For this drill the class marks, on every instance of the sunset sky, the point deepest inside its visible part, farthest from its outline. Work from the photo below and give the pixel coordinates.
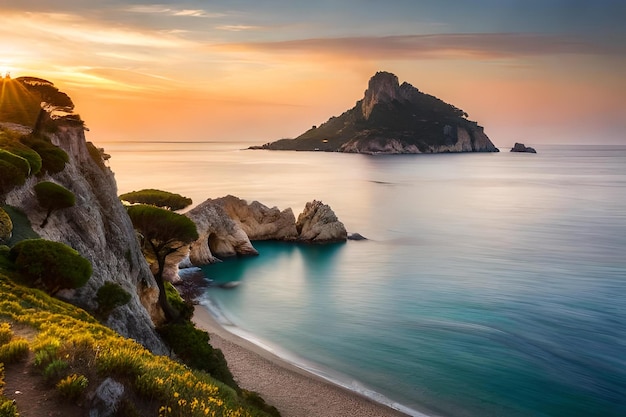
(535, 71)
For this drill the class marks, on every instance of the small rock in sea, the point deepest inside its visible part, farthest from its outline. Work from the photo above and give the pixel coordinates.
(356, 236)
(520, 147)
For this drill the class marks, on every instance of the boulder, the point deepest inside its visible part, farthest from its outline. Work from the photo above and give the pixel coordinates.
(319, 224)
(107, 398)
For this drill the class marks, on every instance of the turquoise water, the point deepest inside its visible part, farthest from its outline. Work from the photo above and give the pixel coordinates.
(492, 284)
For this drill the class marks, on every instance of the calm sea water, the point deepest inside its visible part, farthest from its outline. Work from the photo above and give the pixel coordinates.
(491, 284)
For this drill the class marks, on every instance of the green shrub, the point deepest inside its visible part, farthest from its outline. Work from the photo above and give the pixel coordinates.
(10, 177)
(14, 351)
(254, 399)
(110, 296)
(12, 142)
(184, 308)
(21, 163)
(192, 346)
(51, 265)
(52, 197)
(8, 408)
(53, 158)
(6, 334)
(72, 386)
(55, 370)
(6, 226)
(157, 198)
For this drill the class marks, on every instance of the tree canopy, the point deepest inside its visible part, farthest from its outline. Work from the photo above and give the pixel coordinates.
(157, 198)
(52, 197)
(164, 232)
(49, 264)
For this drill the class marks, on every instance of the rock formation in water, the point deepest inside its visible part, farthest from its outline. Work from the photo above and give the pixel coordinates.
(99, 228)
(319, 224)
(393, 119)
(520, 147)
(219, 235)
(227, 225)
(259, 221)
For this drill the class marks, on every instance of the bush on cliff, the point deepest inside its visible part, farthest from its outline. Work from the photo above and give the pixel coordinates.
(163, 199)
(109, 296)
(11, 142)
(6, 226)
(52, 197)
(10, 177)
(53, 158)
(192, 346)
(51, 265)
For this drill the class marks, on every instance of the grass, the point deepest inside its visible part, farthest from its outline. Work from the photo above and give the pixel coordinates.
(75, 353)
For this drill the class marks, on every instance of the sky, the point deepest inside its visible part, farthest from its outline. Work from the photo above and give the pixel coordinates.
(532, 71)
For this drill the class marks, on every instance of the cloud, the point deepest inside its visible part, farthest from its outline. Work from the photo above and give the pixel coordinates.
(472, 45)
(237, 28)
(160, 9)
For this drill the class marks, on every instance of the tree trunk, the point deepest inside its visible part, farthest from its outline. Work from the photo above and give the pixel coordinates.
(170, 313)
(45, 221)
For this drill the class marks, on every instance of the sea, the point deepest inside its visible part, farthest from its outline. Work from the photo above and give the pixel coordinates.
(490, 284)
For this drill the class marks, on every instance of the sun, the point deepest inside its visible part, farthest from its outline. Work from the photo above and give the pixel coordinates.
(5, 70)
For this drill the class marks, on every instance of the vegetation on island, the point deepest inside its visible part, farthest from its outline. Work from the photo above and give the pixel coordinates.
(158, 198)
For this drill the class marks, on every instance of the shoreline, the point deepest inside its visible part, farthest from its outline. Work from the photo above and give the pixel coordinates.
(294, 391)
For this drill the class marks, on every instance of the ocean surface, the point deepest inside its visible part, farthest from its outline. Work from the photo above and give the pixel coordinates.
(491, 284)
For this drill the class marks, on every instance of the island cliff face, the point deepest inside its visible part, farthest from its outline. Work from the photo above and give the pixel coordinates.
(393, 119)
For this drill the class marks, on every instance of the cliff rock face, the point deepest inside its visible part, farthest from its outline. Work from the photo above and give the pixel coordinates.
(393, 118)
(319, 224)
(100, 230)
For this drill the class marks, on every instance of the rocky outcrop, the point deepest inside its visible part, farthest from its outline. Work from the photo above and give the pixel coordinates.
(227, 225)
(393, 119)
(219, 235)
(520, 147)
(319, 224)
(99, 228)
(259, 221)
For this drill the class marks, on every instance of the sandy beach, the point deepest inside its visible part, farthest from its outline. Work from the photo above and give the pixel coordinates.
(293, 391)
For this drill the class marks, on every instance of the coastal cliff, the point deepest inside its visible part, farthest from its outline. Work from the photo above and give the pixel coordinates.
(393, 119)
(98, 227)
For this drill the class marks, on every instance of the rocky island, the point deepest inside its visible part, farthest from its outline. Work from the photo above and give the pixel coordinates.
(520, 147)
(393, 119)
